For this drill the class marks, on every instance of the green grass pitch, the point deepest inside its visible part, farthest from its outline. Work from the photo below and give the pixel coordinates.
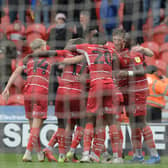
(15, 161)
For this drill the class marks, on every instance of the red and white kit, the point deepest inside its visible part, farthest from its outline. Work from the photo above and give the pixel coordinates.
(36, 87)
(70, 99)
(103, 94)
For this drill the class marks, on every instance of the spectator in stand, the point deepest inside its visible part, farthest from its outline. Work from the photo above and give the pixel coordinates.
(133, 10)
(7, 53)
(108, 15)
(42, 7)
(155, 6)
(82, 28)
(58, 34)
(18, 7)
(57, 40)
(158, 89)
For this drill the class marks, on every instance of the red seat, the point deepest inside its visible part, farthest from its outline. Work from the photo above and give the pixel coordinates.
(153, 46)
(19, 84)
(163, 49)
(31, 37)
(13, 65)
(165, 57)
(161, 65)
(159, 33)
(147, 27)
(16, 99)
(12, 33)
(34, 31)
(2, 101)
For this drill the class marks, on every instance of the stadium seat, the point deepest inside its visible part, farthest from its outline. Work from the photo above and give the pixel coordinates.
(16, 99)
(163, 49)
(4, 23)
(1, 28)
(16, 32)
(13, 34)
(159, 33)
(161, 65)
(31, 37)
(34, 31)
(147, 27)
(2, 101)
(13, 64)
(164, 57)
(19, 84)
(153, 46)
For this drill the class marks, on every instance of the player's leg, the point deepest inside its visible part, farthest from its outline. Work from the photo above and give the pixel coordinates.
(78, 110)
(78, 135)
(148, 139)
(87, 137)
(114, 133)
(54, 139)
(140, 128)
(33, 140)
(99, 139)
(136, 139)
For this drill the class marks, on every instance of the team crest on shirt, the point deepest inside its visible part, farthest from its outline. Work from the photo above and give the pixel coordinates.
(137, 60)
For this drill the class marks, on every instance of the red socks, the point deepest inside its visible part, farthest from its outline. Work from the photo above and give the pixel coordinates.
(148, 137)
(77, 137)
(136, 139)
(33, 138)
(53, 139)
(88, 136)
(121, 143)
(61, 140)
(98, 143)
(115, 139)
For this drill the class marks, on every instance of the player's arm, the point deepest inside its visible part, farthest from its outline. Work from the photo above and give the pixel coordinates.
(47, 53)
(15, 74)
(137, 71)
(143, 50)
(71, 48)
(74, 60)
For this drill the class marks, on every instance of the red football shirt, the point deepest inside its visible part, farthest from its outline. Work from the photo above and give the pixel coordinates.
(38, 72)
(70, 78)
(99, 60)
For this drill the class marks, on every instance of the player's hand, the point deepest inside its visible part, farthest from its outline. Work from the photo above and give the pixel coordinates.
(138, 48)
(5, 95)
(122, 74)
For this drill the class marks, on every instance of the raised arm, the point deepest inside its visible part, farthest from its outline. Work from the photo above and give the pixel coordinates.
(15, 74)
(74, 60)
(143, 50)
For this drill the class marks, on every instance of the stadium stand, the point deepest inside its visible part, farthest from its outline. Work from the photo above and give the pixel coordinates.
(16, 99)
(164, 52)
(2, 101)
(34, 31)
(159, 33)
